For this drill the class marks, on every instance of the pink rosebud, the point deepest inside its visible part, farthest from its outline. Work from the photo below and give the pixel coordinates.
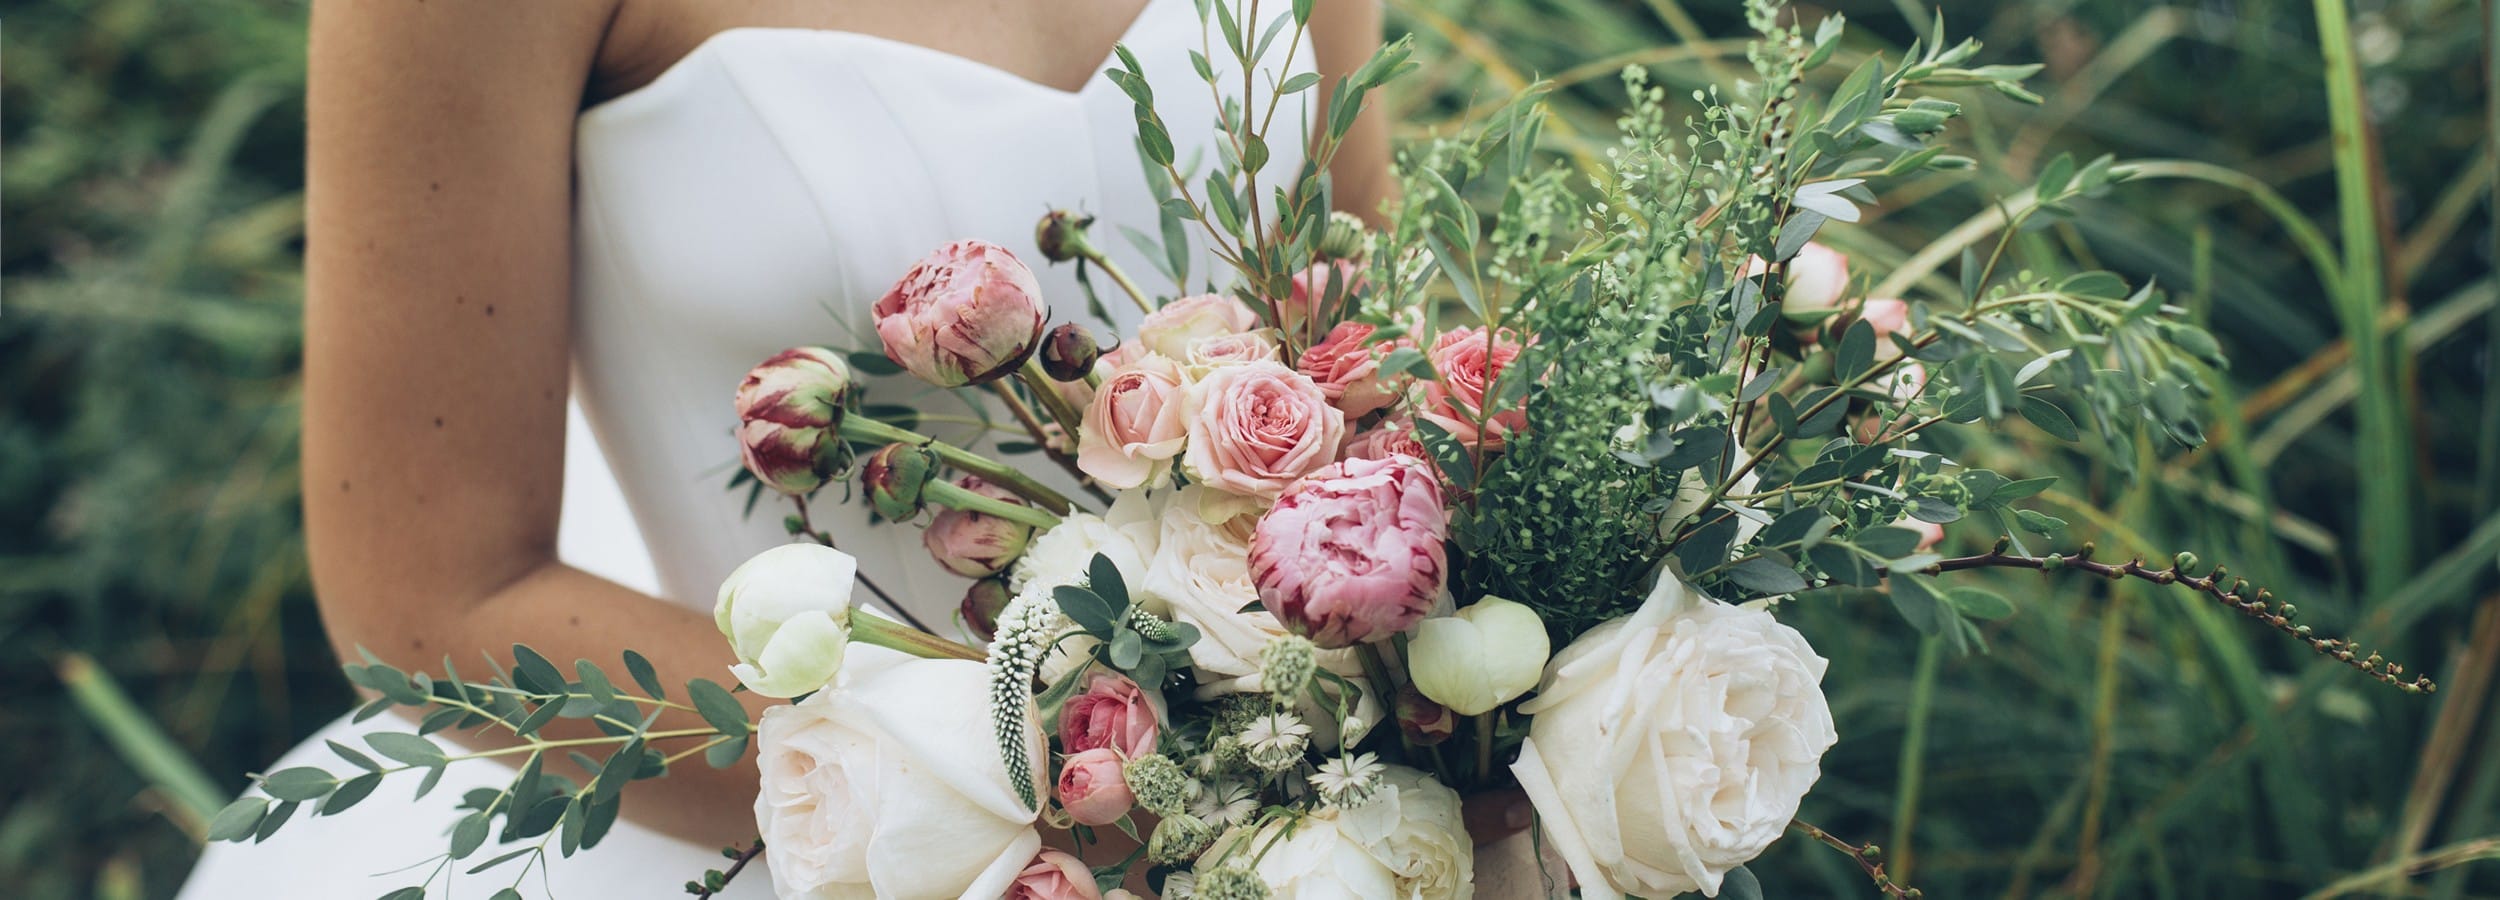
(1093, 789)
(1053, 875)
(1320, 293)
(1468, 362)
(1112, 712)
(1354, 552)
(968, 313)
(1395, 437)
(1347, 368)
(1888, 318)
(1133, 426)
(1255, 428)
(1180, 323)
(976, 545)
(1424, 721)
(1817, 277)
(789, 415)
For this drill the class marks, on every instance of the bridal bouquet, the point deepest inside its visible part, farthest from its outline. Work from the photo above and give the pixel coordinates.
(1396, 516)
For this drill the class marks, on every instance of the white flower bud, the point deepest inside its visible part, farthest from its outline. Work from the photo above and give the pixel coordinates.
(1480, 658)
(787, 613)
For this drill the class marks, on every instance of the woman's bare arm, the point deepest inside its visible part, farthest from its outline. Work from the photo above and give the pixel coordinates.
(1344, 34)
(437, 313)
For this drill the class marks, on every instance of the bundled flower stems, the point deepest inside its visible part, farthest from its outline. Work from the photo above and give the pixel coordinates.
(1398, 516)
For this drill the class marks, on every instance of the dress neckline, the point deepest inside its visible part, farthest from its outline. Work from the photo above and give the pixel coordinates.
(713, 44)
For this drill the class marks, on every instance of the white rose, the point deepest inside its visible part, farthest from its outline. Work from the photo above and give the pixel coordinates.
(1407, 843)
(898, 753)
(1674, 744)
(787, 613)
(1480, 657)
(1202, 575)
(1061, 556)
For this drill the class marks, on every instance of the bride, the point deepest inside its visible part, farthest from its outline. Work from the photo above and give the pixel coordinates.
(628, 203)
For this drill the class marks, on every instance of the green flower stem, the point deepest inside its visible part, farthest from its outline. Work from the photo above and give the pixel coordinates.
(1914, 751)
(879, 631)
(871, 431)
(1046, 390)
(953, 496)
(1086, 251)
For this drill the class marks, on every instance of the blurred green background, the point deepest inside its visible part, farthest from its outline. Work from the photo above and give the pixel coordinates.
(157, 638)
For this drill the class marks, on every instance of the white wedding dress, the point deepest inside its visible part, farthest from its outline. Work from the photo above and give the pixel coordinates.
(762, 193)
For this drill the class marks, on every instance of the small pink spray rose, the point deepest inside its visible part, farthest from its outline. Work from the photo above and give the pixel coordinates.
(1111, 712)
(1093, 788)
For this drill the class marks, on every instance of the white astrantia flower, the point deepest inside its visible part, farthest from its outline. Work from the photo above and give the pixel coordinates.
(1275, 741)
(1225, 804)
(1347, 781)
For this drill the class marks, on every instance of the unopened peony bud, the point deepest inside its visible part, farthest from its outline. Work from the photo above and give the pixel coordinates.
(789, 415)
(1069, 351)
(1061, 234)
(1424, 721)
(787, 614)
(1342, 238)
(982, 603)
(893, 478)
(976, 545)
(968, 313)
(1482, 657)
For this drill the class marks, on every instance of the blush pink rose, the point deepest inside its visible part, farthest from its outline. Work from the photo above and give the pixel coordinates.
(968, 313)
(1257, 427)
(1054, 875)
(1112, 712)
(1208, 354)
(1888, 318)
(1093, 789)
(1347, 367)
(1320, 293)
(1353, 553)
(1468, 361)
(1817, 277)
(976, 545)
(1180, 323)
(1392, 438)
(1133, 427)
(1929, 533)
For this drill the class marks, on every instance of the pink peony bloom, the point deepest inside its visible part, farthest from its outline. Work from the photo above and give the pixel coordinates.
(789, 413)
(1468, 361)
(1354, 552)
(1320, 293)
(966, 314)
(1395, 437)
(1257, 427)
(1888, 318)
(1347, 368)
(1054, 875)
(976, 545)
(1093, 788)
(1180, 323)
(1111, 712)
(1817, 277)
(1132, 429)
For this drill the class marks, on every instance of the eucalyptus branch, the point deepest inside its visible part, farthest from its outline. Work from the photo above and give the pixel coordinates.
(1868, 857)
(2233, 594)
(716, 880)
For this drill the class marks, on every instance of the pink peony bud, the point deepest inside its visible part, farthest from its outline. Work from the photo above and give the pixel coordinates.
(1320, 293)
(1053, 875)
(893, 478)
(1112, 712)
(1133, 427)
(1469, 361)
(968, 313)
(1354, 552)
(1347, 367)
(976, 545)
(790, 415)
(1424, 721)
(1092, 787)
(1061, 235)
(1180, 323)
(981, 605)
(1068, 352)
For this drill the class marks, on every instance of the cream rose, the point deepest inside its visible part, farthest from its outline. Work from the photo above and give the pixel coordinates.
(1126, 533)
(1406, 843)
(899, 752)
(1132, 427)
(1255, 428)
(1674, 744)
(1171, 329)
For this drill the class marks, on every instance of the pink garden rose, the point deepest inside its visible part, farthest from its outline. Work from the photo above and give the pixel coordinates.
(1888, 318)
(1395, 437)
(1354, 552)
(1112, 712)
(1347, 367)
(1093, 788)
(1320, 293)
(966, 314)
(1133, 428)
(976, 545)
(1817, 278)
(789, 413)
(1256, 427)
(1054, 875)
(1209, 354)
(1468, 361)
(1180, 323)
